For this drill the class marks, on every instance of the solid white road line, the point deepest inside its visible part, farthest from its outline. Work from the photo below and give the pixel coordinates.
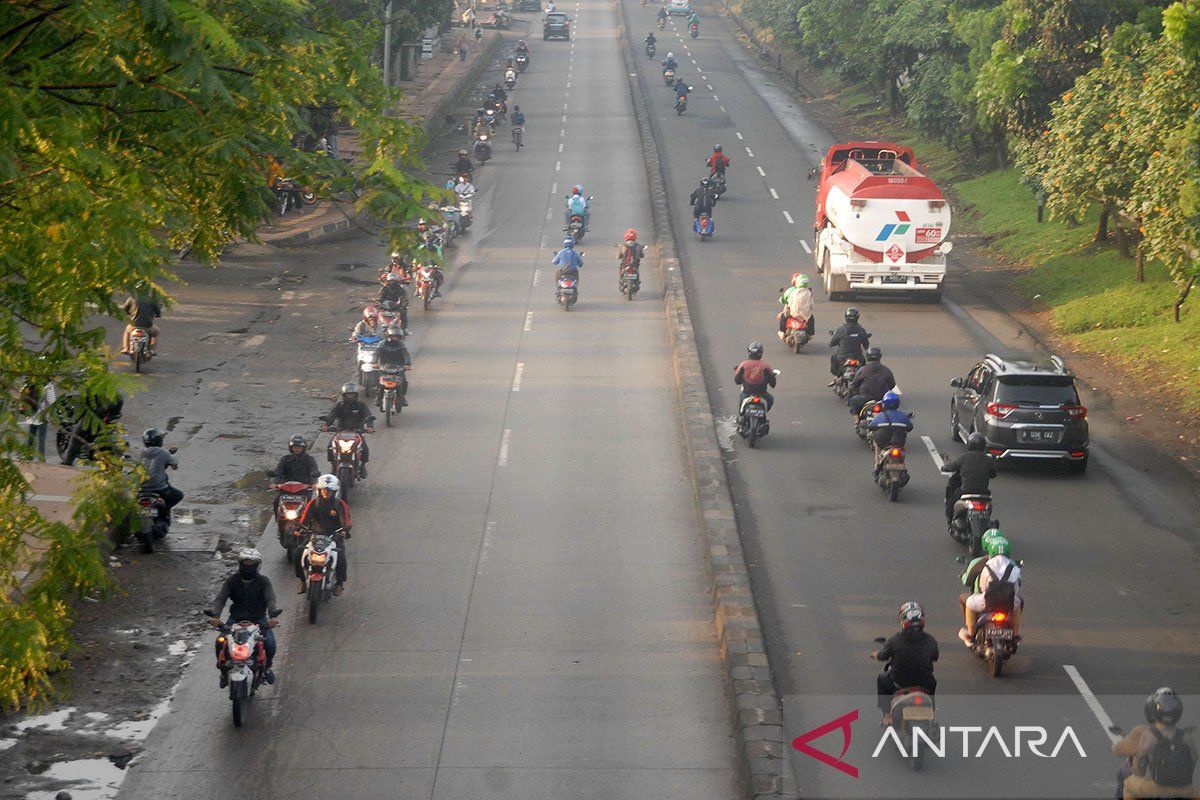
(1097, 710)
(528, 321)
(929, 445)
(739, 135)
(807, 249)
(503, 459)
(788, 217)
(774, 194)
(516, 387)
(760, 172)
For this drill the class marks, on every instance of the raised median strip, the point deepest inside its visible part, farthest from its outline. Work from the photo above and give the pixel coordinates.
(762, 743)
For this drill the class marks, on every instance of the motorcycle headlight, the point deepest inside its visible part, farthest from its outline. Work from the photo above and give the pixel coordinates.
(318, 559)
(345, 445)
(290, 513)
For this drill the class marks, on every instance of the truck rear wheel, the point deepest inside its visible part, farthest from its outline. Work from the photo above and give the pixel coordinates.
(833, 283)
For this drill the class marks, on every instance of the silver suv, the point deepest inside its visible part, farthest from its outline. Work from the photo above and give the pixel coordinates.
(1026, 408)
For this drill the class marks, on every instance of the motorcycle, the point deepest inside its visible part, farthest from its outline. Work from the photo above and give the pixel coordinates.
(911, 708)
(752, 423)
(367, 345)
(242, 656)
(650, 49)
(345, 458)
(631, 282)
(575, 228)
(74, 437)
(510, 78)
(426, 286)
(466, 210)
(972, 518)
(518, 135)
(864, 416)
(669, 76)
(152, 513)
(522, 62)
(568, 292)
(483, 149)
(318, 565)
(718, 179)
(704, 227)
(453, 219)
(389, 392)
(139, 348)
(662, 23)
(995, 640)
(389, 314)
(850, 367)
(681, 104)
(694, 30)
(795, 334)
(293, 496)
(892, 474)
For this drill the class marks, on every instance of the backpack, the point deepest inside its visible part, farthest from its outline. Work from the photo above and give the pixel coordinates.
(1169, 762)
(1000, 593)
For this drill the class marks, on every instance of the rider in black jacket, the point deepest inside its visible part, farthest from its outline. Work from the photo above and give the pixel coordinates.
(911, 654)
(871, 382)
(393, 353)
(969, 473)
(850, 339)
(350, 414)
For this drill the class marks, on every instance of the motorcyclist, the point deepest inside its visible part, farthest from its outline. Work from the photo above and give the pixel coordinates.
(156, 459)
(350, 414)
(703, 199)
(718, 162)
(662, 17)
(251, 598)
(463, 165)
(483, 128)
(797, 302)
(681, 90)
(141, 309)
(693, 19)
(755, 375)
(970, 473)
(911, 654)
(518, 117)
(630, 254)
(995, 565)
(393, 353)
(850, 339)
(523, 49)
(464, 187)
(871, 382)
(369, 326)
(568, 262)
(890, 427)
(650, 40)
(1162, 757)
(398, 265)
(669, 62)
(393, 292)
(498, 92)
(577, 203)
(298, 465)
(326, 514)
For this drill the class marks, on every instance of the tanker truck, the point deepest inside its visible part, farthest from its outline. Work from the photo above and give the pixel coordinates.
(881, 225)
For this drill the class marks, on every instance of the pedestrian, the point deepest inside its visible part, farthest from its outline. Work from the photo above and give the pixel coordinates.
(36, 399)
(478, 35)
(462, 47)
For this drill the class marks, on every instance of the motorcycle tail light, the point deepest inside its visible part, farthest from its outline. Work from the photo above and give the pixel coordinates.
(999, 616)
(755, 399)
(876, 408)
(896, 452)
(918, 700)
(220, 640)
(977, 505)
(851, 362)
(144, 502)
(793, 324)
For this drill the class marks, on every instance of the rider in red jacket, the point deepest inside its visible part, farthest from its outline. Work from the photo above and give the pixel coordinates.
(718, 161)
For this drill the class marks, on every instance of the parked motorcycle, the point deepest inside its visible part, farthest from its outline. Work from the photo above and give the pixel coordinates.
(704, 227)
(575, 228)
(293, 496)
(568, 292)
(318, 565)
(368, 376)
(483, 148)
(752, 423)
(892, 475)
(242, 655)
(972, 518)
(390, 383)
(795, 333)
(345, 458)
(631, 282)
(139, 348)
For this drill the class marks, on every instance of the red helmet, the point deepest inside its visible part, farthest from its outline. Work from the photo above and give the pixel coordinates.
(370, 314)
(575, 190)
(631, 235)
(795, 275)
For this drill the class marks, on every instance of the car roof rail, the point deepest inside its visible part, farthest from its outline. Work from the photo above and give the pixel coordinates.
(1058, 362)
(997, 360)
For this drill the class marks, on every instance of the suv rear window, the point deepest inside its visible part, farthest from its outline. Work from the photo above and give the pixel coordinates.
(1037, 390)
(556, 19)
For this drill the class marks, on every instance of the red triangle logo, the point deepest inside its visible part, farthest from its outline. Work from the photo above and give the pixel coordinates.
(842, 723)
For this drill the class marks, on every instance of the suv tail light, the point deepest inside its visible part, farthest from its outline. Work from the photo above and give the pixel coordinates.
(1076, 412)
(1001, 410)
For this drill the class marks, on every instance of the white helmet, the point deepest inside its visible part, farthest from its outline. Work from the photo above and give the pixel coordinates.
(395, 254)
(670, 56)
(250, 554)
(328, 482)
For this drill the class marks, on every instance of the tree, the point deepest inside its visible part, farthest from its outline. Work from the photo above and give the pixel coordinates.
(129, 128)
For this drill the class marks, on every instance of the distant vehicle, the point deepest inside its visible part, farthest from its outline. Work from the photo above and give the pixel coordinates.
(556, 26)
(881, 224)
(1026, 408)
(679, 7)
(529, 5)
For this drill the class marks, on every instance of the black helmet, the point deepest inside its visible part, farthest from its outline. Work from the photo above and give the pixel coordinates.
(851, 314)
(298, 441)
(152, 437)
(874, 353)
(976, 441)
(755, 349)
(716, 148)
(1164, 706)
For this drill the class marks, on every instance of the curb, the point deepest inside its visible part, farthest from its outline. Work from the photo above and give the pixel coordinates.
(763, 746)
(326, 231)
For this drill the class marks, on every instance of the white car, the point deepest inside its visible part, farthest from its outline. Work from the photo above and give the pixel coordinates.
(679, 7)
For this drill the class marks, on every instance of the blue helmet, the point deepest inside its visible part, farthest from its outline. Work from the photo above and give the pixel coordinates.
(891, 400)
(568, 242)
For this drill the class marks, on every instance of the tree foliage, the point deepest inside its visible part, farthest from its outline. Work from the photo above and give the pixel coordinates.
(126, 129)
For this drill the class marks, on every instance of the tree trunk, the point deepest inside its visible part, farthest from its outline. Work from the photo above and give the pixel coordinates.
(1139, 265)
(1183, 296)
(1102, 227)
(1122, 241)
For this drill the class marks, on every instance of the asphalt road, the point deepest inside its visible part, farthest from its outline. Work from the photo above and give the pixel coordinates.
(1110, 557)
(527, 614)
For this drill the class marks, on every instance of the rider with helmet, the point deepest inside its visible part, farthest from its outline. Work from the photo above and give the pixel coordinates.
(298, 465)
(718, 161)
(797, 301)
(669, 62)
(703, 198)
(850, 339)
(567, 261)
(463, 165)
(754, 375)
(326, 514)
(251, 598)
(393, 292)
(392, 353)
(681, 89)
(629, 254)
(995, 565)
(909, 656)
(369, 326)
(577, 203)
(350, 414)
(890, 426)
(1162, 756)
(871, 382)
(969, 474)
(650, 39)
(156, 459)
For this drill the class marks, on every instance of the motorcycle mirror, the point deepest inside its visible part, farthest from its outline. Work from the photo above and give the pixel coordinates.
(209, 614)
(276, 613)
(173, 449)
(912, 415)
(270, 473)
(879, 640)
(956, 383)
(960, 559)
(777, 372)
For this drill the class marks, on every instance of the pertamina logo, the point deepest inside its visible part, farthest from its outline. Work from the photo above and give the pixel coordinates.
(899, 229)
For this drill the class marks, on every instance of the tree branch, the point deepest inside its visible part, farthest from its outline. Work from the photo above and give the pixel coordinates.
(34, 20)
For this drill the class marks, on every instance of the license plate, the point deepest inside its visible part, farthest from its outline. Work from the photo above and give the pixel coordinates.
(895, 279)
(755, 412)
(150, 513)
(895, 467)
(918, 713)
(1041, 436)
(1000, 633)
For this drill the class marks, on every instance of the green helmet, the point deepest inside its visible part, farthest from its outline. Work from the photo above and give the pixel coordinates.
(803, 281)
(995, 543)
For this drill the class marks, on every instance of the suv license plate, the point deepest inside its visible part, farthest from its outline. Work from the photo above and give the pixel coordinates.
(1051, 436)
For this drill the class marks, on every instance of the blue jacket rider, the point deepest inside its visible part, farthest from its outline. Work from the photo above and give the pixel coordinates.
(567, 261)
(890, 426)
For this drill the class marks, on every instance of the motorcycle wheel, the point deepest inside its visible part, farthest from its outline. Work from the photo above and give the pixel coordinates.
(387, 410)
(955, 436)
(752, 434)
(146, 536)
(894, 491)
(566, 304)
(237, 698)
(796, 345)
(137, 360)
(314, 602)
(427, 300)
(346, 479)
(996, 664)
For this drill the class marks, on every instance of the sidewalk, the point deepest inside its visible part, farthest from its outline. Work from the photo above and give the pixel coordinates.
(441, 85)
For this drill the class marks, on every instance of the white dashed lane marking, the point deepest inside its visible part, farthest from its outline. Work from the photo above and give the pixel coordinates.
(516, 386)
(760, 171)
(788, 217)
(774, 194)
(807, 249)
(749, 152)
(739, 135)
